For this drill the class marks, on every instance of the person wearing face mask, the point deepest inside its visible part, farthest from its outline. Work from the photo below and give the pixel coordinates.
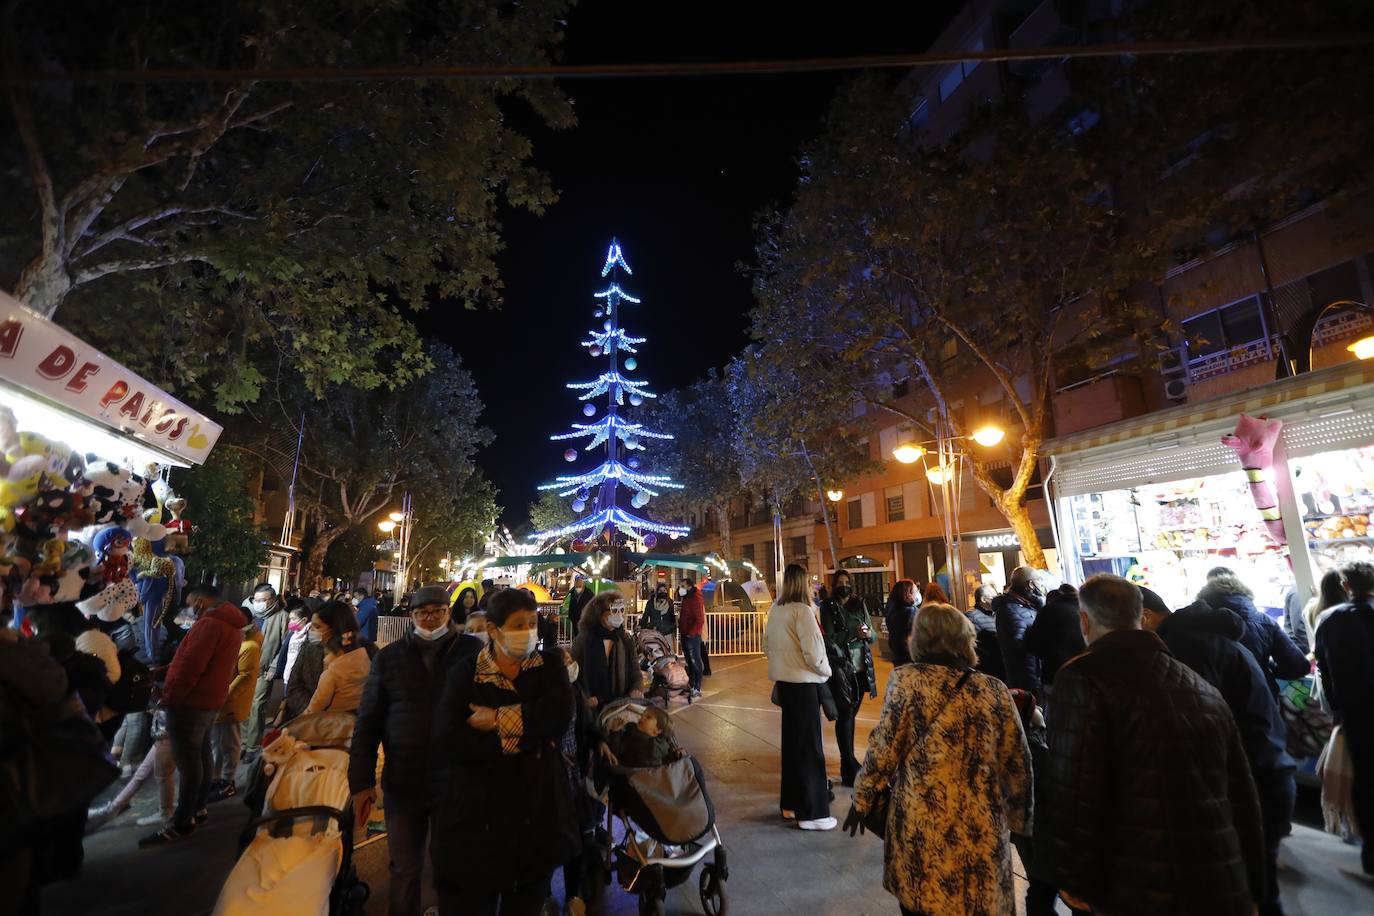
(605, 652)
(1014, 612)
(196, 687)
(658, 613)
(302, 661)
(691, 624)
(505, 806)
(271, 618)
(575, 602)
(347, 661)
(845, 623)
(397, 714)
(365, 606)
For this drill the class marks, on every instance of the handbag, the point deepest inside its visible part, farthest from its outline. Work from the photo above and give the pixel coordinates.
(875, 818)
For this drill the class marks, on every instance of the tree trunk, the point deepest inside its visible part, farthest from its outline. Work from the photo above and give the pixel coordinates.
(727, 547)
(1018, 516)
(825, 513)
(43, 285)
(314, 559)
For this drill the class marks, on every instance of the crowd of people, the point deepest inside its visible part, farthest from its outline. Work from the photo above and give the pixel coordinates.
(1134, 755)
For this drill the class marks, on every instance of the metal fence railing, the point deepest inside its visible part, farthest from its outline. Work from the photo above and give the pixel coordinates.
(729, 630)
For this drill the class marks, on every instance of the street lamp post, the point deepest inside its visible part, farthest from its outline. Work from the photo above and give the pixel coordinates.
(401, 523)
(947, 473)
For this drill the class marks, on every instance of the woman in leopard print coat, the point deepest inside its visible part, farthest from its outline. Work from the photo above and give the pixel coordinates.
(950, 744)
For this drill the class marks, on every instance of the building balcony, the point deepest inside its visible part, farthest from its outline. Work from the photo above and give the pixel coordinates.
(1098, 401)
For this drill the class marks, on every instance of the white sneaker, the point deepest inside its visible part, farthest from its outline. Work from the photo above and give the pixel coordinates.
(151, 820)
(825, 823)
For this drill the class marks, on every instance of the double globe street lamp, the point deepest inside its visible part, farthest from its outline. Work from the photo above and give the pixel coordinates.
(399, 525)
(946, 473)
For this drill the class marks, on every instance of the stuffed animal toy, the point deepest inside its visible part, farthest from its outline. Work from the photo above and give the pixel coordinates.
(1254, 441)
(116, 495)
(21, 481)
(112, 544)
(47, 515)
(110, 603)
(178, 529)
(155, 575)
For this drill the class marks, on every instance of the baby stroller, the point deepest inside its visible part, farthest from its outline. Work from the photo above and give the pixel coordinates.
(296, 855)
(668, 826)
(669, 673)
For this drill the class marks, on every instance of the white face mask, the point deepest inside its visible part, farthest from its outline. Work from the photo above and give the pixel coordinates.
(431, 634)
(480, 633)
(357, 601)
(520, 644)
(682, 591)
(616, 621)
(573, 672)
(259, 606)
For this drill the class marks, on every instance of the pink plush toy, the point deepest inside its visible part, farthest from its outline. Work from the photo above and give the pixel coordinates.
(1254, 441)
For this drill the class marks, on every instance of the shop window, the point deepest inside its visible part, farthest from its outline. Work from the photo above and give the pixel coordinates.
(798, 546)
(856, 513)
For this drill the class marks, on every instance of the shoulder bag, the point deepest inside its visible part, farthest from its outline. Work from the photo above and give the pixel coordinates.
(875, 819)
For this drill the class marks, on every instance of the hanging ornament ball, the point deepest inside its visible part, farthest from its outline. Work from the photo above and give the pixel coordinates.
(640, 500)
(589, 410)
(607, 324)
(634, 462)
(578, 545)
(595, 351)
(632, 363)
(635, 400)
(581, 494)
(598, 313)
(570, 455)
(650, 540)
(632, 444)
(578, 505)
(675, 535)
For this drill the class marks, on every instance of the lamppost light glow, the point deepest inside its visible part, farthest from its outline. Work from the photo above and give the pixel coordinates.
(988, 436)
(1363, 348)
(387, 525)
(396, 516)
(834, 495)
(909, 452)
(939, 475)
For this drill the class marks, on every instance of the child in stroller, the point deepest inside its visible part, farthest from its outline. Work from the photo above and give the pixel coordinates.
(297, 857)
(667, 819)
(669, 670)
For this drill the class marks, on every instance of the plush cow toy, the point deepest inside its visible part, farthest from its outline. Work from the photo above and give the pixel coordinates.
(1254, 441)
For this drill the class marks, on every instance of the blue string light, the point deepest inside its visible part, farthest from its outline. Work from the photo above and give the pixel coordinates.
(614, 257)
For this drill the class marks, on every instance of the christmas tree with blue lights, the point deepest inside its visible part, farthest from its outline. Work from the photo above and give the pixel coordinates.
(596, 493)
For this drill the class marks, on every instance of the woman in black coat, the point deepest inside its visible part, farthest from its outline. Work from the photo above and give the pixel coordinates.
(505, 808)
(606, 653)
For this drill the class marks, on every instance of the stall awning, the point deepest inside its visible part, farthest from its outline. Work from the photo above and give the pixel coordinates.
(672, 560)
(543, 559)
(66, 389)
(1324, 410)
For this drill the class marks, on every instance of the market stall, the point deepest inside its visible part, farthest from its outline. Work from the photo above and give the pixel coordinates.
(86, 512)
(1162, 500)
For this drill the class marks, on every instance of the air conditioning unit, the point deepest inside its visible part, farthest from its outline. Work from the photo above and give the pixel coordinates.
(1176, 389)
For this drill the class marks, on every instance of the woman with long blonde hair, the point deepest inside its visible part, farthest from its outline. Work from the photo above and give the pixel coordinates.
(797, 666)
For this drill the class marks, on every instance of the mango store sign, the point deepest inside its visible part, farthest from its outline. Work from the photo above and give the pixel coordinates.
(39, 357)
(997, 541)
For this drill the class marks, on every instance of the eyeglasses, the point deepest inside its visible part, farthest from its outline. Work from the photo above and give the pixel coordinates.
(428, 610)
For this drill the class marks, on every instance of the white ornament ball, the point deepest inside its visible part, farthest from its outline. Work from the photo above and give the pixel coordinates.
(640, 500)
(636, 400)
(594, 351)
(589, 410)
(598, 313)
(570, 455)
(607, 324)
(634, 462)
(631, 363)
(578, 505)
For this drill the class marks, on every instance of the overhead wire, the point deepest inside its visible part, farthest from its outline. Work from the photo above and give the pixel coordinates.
(690, 68)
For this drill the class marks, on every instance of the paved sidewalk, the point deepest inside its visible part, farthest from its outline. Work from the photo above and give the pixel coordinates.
(775, 868)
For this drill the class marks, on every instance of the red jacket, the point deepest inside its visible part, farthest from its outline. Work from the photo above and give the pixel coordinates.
(206, 661)
(691, 620)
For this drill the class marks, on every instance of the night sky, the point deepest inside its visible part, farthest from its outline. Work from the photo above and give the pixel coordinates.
(677, 169)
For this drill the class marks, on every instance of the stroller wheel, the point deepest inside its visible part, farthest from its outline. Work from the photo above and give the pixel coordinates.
(651, 905)
(713, 899)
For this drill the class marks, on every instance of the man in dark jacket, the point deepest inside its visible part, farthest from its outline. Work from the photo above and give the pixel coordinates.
(576, 600)
(1054, 636)
(1014, 612)
(1345, 645)
(397, 712)
(1275, 652)
(196, 687)
(1151, 807)
(985, 626)
(1208, 641)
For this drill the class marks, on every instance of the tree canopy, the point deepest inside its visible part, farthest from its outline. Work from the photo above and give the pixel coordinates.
(254, 228)
(227, 543)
